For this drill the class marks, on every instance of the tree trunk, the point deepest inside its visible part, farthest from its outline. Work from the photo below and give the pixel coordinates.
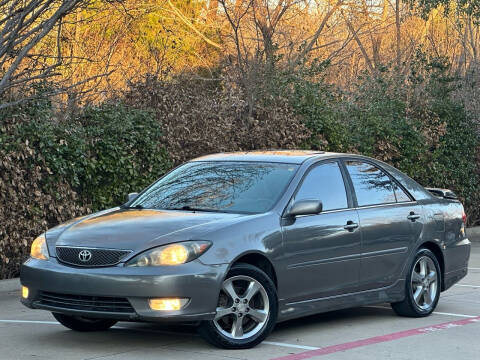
(398, 35)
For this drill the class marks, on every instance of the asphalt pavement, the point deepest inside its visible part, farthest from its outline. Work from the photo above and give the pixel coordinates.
(374, 332)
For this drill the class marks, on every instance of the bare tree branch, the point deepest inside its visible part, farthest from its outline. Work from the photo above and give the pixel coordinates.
(24, 25)
(191, 26)
(359, 42)
(318, 32)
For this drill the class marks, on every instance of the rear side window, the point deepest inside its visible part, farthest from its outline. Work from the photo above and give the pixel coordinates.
(415, 189)
(324, 182)
(400, 194)
(372, 186)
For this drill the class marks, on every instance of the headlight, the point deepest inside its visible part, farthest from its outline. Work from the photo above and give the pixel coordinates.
(172, 254)
(39, 248)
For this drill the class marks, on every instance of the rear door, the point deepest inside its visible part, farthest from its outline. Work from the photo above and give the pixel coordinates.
(322, 252)
(391, 222)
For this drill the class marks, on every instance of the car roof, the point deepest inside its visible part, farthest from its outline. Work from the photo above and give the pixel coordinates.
(280, 156)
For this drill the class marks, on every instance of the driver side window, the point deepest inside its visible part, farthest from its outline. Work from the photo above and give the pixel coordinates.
(324, 182)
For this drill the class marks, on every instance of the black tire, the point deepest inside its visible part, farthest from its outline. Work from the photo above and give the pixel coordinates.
(409, 307)
(209, 331)
(79, 323)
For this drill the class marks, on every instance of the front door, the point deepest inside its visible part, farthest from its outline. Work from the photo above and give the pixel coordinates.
(322, 252)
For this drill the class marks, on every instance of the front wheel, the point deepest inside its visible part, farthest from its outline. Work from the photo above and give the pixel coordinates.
(423, 286)
(246, 310)
(80, 323)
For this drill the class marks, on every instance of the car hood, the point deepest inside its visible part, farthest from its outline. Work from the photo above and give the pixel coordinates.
(136, 230)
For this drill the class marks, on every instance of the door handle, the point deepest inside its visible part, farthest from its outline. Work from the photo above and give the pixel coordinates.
(412, 216)
(350, 226)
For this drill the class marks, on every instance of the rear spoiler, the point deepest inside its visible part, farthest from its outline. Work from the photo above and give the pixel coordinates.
(443, 193)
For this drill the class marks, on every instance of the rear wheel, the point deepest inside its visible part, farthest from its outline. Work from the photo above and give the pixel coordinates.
(80, 323)
(423, 286)
(246, 310)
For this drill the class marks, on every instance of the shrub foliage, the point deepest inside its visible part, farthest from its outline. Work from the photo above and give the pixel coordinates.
(410, 121)
(55, 166)
(198, 118)
(52, 170)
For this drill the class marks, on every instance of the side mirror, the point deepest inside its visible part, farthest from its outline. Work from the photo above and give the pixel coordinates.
(131, 197)
(305, 207)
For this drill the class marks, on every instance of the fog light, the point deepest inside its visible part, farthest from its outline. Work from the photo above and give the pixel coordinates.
(25, 292)
(167, 304)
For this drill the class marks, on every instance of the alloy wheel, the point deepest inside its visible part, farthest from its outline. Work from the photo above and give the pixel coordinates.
(243, 308)
(424, 283)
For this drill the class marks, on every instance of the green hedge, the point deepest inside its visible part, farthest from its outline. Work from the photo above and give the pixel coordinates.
(125, 153)
(411, 121)
(54, 168)
(57, 165)
(103, 153)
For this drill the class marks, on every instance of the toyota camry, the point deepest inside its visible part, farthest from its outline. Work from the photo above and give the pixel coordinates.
(237, 242)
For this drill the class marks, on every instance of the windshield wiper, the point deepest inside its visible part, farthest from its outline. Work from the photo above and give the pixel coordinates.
(138, 206)
(191, 208)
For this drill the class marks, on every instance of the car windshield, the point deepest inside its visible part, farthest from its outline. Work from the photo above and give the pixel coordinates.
(236, 187)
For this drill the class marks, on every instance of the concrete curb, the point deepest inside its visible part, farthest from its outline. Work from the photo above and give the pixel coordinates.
(10, 285)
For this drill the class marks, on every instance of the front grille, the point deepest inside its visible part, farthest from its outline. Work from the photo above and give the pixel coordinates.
(90, 257)
(86, 303)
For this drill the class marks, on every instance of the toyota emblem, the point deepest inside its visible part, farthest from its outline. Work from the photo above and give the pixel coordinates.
(85, 256)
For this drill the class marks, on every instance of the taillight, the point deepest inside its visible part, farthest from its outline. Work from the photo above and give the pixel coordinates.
(464, 225)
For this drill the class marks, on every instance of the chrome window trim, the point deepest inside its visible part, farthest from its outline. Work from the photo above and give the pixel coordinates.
(327, 212)
(361, 207)
(383, 205)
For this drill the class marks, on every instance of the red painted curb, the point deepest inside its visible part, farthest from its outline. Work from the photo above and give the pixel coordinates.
(378, 339)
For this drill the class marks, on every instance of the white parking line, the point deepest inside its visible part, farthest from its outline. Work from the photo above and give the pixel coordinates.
(457, 315)
(290, 345)
(29, 322)
(435, 312)
(295, 346)
(473, 268)
(469, 286)
(113, 327)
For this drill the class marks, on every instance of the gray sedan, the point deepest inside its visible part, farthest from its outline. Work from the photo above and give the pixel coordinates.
(240, 241)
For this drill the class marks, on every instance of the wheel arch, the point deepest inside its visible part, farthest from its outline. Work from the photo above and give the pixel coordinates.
(437, 251)
(259, 260)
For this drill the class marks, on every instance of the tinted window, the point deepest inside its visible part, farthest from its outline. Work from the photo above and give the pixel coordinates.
(415, 189)
(245, 187)
(324, 182)
(400, 194)
(372, 186)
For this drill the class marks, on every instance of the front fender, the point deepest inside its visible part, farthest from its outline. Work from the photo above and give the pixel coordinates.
(261, 234)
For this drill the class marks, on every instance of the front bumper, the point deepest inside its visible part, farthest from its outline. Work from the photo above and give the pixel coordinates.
(196, 281)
